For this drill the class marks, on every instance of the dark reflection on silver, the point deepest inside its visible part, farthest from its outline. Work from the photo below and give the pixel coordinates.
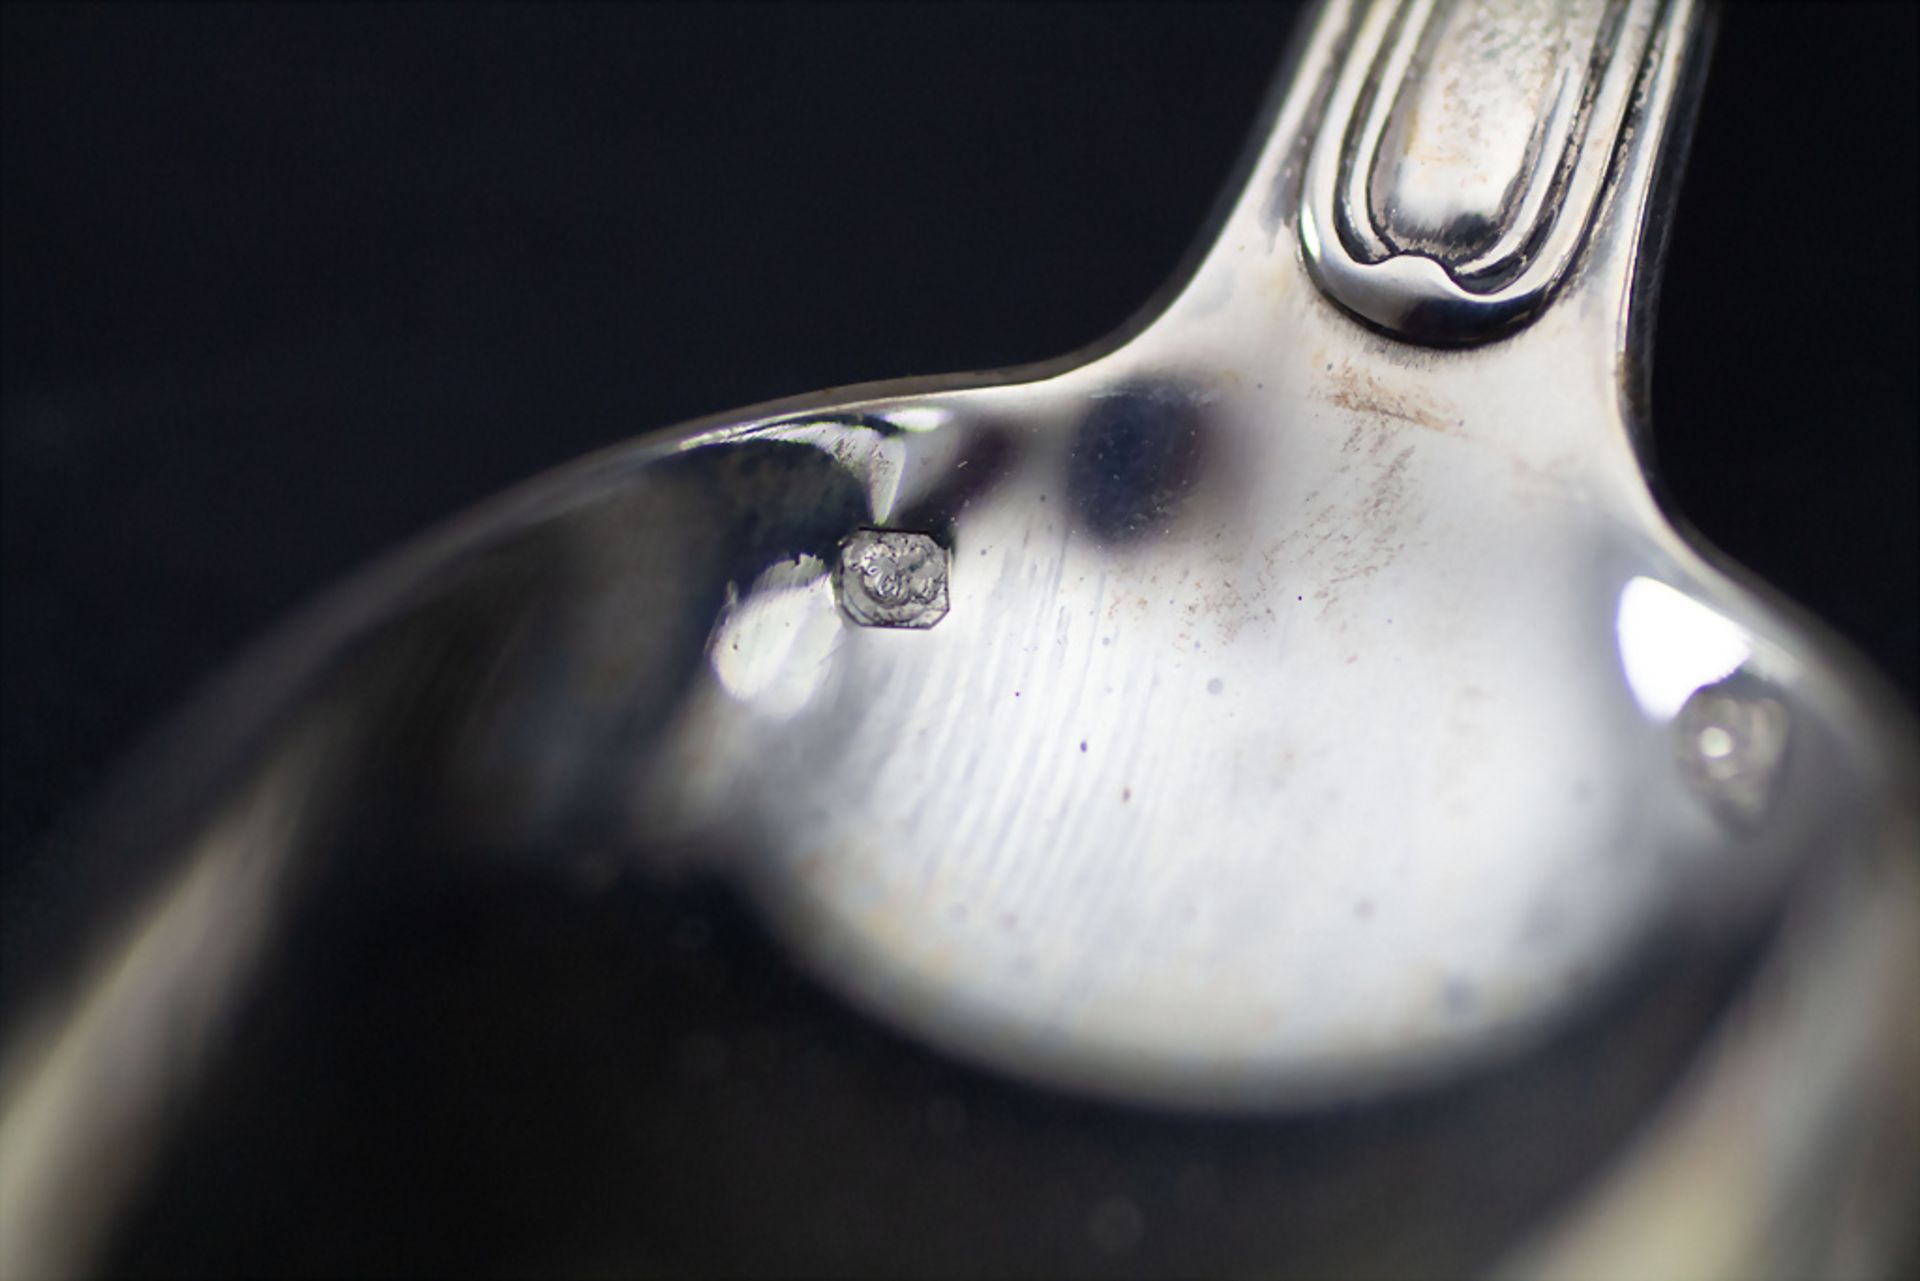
(1330, 779)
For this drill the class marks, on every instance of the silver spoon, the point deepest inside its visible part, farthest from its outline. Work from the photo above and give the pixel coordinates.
(1298, 703)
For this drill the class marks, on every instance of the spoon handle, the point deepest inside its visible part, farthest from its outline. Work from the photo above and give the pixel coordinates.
(1448, 172)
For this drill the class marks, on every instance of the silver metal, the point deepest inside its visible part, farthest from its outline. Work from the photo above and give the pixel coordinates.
(1733, 745)
(1313, 717)
(1462, 153)
(892, 578)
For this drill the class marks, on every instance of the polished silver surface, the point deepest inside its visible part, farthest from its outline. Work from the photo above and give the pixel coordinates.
(1258, 714)
(1462, 154)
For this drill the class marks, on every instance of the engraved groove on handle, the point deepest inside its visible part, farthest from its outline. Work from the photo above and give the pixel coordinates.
(1464, 151)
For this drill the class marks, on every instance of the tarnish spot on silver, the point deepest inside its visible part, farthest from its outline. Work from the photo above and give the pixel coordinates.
(890, 578)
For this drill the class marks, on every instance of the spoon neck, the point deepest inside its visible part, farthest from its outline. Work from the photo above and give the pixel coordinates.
(1483, 183)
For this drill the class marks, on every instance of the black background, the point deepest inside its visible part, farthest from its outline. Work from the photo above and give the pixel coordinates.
(283, 286)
